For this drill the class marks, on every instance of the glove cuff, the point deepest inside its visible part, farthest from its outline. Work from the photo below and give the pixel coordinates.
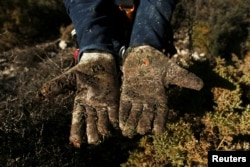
(94, 56)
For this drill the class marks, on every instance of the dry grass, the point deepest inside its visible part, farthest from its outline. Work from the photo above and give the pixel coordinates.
(35, 133)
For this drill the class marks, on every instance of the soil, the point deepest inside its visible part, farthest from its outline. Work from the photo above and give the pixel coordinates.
(35, 132)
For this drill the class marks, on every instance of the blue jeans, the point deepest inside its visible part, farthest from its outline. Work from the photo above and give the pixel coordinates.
(100, 25)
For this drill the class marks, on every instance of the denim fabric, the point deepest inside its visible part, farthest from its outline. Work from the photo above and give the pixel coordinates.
(152, 23)
(100, 25)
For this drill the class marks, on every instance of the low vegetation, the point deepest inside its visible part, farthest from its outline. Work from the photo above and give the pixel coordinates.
(35, 133)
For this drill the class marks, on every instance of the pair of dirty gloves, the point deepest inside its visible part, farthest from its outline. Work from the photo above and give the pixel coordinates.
(139, 107)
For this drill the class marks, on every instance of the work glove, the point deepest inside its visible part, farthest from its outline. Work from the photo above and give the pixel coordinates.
(96, 86)
(143, 102)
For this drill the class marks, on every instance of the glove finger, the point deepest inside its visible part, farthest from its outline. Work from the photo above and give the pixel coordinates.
(124, 111)
(59, 84)
(160, 120)
(113, 115)
(179, 76)
(103, 121)
(77, 131)
(145, 122)
(132, 121)
(91, 123)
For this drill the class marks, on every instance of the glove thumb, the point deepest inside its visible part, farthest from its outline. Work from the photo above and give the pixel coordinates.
(179, 76)
(58, 85)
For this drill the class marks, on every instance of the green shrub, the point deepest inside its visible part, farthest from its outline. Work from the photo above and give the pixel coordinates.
(188, 138)
(226, 24)
(230, 26)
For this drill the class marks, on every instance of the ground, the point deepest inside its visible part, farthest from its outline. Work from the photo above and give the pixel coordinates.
(34, 132)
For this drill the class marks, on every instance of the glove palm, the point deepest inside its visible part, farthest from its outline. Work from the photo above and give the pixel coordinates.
(95, 83)
(143, 102)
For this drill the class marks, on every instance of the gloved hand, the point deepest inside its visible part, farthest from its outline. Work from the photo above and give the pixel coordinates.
(143, 102)
(96, 85)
